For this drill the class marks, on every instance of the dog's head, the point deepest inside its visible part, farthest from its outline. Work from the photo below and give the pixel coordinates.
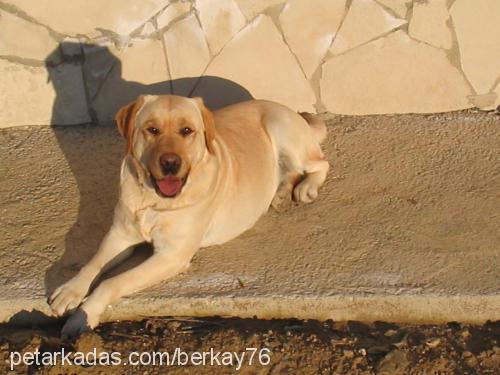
(168, 135)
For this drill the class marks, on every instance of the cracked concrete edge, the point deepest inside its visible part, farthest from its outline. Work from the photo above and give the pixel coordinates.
(423, 309)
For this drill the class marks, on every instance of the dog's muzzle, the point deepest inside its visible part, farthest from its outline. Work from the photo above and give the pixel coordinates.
(170, 184)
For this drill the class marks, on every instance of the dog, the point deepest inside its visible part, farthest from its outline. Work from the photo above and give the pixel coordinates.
(193, 178)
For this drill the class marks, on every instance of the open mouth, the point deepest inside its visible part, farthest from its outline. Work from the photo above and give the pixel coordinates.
(169, 186)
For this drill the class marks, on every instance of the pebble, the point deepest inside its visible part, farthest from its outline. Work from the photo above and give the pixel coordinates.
(433, 343)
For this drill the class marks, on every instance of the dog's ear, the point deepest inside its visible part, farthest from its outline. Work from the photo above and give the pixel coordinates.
(125, 118)
(208, 121)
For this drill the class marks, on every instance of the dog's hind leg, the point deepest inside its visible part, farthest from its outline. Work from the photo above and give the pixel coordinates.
(303, 168)
(311, 160)
(303, 173)
(285, 188)
(315, 174)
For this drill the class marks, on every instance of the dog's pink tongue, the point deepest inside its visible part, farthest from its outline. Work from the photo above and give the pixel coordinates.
(169, 185)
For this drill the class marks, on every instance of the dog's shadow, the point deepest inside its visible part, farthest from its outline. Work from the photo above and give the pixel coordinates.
(96, 169)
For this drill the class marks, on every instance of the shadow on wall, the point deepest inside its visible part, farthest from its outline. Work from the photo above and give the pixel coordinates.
(96, 168)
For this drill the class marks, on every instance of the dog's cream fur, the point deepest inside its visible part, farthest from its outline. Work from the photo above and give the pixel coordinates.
(237, 162)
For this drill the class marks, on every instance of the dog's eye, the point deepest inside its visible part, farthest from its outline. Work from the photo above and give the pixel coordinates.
(153, 130)
(186, 131)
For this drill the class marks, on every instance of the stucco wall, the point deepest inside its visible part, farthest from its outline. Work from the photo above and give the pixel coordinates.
(69, 62)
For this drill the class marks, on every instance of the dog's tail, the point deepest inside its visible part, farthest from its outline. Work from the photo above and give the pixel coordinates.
(317, 125)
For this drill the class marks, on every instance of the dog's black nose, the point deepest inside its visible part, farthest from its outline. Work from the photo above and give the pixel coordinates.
(170, 163)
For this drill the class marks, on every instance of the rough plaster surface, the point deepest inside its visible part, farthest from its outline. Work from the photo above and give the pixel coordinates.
(405, 229)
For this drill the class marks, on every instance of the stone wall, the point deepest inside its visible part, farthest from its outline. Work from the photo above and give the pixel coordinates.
(70, 62)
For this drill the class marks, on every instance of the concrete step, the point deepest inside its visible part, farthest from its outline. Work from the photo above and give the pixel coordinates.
(406, 228)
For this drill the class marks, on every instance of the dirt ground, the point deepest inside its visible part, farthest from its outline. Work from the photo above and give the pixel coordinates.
(279, 347)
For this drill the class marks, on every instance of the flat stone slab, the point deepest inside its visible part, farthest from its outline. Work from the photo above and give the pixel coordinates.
(379, 76)
(406, 228)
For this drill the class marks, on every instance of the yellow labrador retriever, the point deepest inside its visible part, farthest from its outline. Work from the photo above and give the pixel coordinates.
(192, 178)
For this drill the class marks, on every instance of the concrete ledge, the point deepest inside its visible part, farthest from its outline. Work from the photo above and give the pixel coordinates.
(405, 229)
(398, 309)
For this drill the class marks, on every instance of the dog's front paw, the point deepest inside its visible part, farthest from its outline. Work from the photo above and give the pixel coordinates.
(306, 191)
(78, 323)
(68, 296)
